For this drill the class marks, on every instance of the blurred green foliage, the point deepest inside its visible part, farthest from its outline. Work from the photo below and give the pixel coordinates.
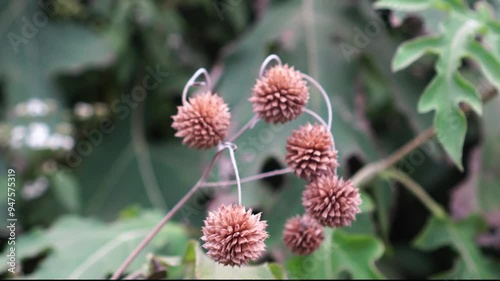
(88, 88)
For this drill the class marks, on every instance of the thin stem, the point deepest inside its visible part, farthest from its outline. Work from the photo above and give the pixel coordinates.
(192, 82)
(371, 170)
(248, 179)
(232, 147)
(267, 61)
(249, 125)
(167, 217)
(141, 150)
(316, 116)
(417, 190)
(325, 96)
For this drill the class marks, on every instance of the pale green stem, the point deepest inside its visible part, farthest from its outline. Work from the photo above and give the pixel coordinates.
(417, 190)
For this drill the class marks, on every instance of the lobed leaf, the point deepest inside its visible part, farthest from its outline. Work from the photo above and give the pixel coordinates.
(411, 51)
(353, 253)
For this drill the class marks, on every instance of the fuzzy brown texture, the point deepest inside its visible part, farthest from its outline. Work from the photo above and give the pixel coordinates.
(203, 121)
(309, 152)
(332, 201)
(234, 236)
(280, 95)
(303, 235)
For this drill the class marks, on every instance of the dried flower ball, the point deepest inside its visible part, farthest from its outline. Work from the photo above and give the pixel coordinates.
(332, 201)
(234, 236)
(309, 152)
(203, 121)
(280, 95)
(303, 235)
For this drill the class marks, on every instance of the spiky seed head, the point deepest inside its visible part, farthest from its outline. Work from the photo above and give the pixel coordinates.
(203, 121)
(234, 236)
(280, 95)
(332, 201)
(309, 152)
(303, 235)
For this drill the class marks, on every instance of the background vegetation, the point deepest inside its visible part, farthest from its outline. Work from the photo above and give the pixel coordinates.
(86, 101)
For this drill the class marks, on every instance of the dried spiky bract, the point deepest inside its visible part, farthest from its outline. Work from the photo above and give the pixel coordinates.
(280, 95)
(332, 201)
(309, 152)
(203, 121)
(234, 236)
(303, 235)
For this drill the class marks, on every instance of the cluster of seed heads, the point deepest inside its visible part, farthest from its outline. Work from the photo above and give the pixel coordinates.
(233, 235)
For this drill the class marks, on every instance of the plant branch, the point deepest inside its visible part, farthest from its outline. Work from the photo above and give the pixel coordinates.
(371, 170)
(250, 124)
(167, 217)
(248, 179)
(417, 190)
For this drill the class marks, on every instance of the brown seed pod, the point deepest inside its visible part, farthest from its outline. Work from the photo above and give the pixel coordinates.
(203, 121)
(234, 236)
(332, 201)
(309, 152)
(280, 95)
(303, 235)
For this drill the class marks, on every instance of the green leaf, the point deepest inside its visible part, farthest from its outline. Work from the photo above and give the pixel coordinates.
(206, 268)
(67, 190)
(404, 5)
(449, 88)
(87, 248)
(384, 197)
(367, 204)
(461, 237)
(444, 95)
(411, 51)
(354, 253)
(113, 176)
(490, 64)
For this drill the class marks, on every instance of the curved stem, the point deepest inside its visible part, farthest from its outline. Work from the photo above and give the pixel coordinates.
(267, 61)
(192, 82)
(417, 190)
(141, 150)
(325, 96)
(232, 147)
(248, 179)
(316, 116)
